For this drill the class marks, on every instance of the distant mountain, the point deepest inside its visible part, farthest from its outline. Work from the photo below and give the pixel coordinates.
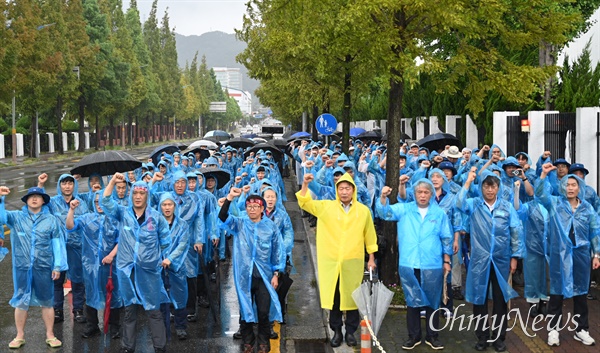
(220, 49)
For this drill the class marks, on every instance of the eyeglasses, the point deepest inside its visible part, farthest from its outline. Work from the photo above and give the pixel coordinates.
(253, 207)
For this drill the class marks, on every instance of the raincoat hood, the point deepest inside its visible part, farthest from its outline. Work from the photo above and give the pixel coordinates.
(487, 174)
(75, 184)
(140, 184)
(502, 154)
(562, 187)
(445, 184)
(178, 176)
(95, 175)
(529, 161)
(192, 175)
(347, 178)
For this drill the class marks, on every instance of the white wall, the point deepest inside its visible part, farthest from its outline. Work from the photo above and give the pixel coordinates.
(536, 133)
(451, 127)
(420, 127)
(433, 125)
(20, 146)
(586, 142)
(2, 146)
(500, 130)
(50, 142)
(472, 133)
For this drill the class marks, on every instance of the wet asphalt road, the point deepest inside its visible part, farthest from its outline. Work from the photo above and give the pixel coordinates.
(204, 335)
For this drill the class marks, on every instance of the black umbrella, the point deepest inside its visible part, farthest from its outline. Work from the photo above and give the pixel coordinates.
(203, 153)
(219, 135)
(182, 145)
(106, 163)
(438, 141)
(216, 140)
(288, 133)
(221, 175)
(277, 154)
(239, 142)
(155, 155)
(281, 143)
(403, 137)
(369, 136)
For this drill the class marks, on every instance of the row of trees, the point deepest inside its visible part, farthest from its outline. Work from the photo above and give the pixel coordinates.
(395, 57)
(88, 60)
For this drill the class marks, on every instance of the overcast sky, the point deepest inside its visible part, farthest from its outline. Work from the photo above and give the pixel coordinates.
(197, 16)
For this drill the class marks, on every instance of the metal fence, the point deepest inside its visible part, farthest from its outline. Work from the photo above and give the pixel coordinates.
(516, 141)
(559, 135)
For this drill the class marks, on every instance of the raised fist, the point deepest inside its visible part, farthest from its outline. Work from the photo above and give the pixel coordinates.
(329, 163)
(74, 204)
(386, 191)
(548, 167)
(43, 178)
(404, 179)
(4, 190)
(235, 192)
(118, 177)
(308, 178)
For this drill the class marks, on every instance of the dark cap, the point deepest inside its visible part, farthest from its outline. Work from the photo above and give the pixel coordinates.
(36, 191)
(578, 167)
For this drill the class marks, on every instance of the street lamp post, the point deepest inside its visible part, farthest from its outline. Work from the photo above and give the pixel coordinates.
(14, 129)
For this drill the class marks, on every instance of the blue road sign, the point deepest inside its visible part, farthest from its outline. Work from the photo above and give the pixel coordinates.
(326, 124)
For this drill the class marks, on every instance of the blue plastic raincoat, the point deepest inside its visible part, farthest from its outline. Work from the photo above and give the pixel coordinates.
(422, 242)
(255, 244)
(534, 218)
(38, 248)
(60, 208)
(496, 237)
(176, 253)
(140, 254)
(569, 263)
(100, 236)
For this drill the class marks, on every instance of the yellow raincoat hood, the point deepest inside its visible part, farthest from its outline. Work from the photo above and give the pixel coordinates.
(347, 178)
(341, 242)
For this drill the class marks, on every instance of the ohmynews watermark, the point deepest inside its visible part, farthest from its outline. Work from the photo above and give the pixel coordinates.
(496, 324)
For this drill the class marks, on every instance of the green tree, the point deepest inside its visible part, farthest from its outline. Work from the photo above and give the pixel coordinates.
(170, 74)
(579, 84)
(152, 38)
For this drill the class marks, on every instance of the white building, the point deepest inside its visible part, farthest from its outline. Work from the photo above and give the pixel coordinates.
(243, 99)
(229, 77)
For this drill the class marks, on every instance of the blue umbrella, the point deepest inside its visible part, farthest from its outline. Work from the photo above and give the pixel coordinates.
(249, 136)
(300, 134)
(355, 131)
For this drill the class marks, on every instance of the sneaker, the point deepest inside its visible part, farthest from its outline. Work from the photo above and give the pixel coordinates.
(457, 294)
(593, 284)
(434, 343)
(481, 345)
(238, 334)
(499, 345)
(553, 338)
(181, 334)
(79, 317)
(410, 343)
(90, 332)
(59, 316)
(448, 314)
(422, 314)
(584, 337)
(590, 296)
(203, 302)
(192, 318)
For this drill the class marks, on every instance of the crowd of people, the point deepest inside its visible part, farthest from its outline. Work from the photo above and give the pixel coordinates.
(157, 233)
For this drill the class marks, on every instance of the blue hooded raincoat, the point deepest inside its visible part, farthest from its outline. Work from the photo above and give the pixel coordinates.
(100, 236)
(569, 263)
(422, 242)
(496, 237)
(141, 251)
(38, 248)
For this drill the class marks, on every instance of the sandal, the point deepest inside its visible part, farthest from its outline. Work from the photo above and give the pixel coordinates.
(16, 343)
(53, 342)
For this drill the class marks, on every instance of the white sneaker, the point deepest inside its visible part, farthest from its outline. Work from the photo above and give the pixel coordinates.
(584, 337)
(553, 339)
(422, 314)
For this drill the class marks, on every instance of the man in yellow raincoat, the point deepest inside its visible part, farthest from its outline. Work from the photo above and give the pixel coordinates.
(344, 229)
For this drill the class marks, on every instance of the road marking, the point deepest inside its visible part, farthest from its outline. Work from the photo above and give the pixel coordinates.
(275, 344)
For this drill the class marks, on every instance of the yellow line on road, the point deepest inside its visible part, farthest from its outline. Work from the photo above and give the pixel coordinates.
(276, 344)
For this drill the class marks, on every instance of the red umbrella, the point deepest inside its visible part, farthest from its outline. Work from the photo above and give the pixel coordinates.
(109, 288)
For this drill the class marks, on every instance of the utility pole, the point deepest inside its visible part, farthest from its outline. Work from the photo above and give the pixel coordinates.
(14, 130)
